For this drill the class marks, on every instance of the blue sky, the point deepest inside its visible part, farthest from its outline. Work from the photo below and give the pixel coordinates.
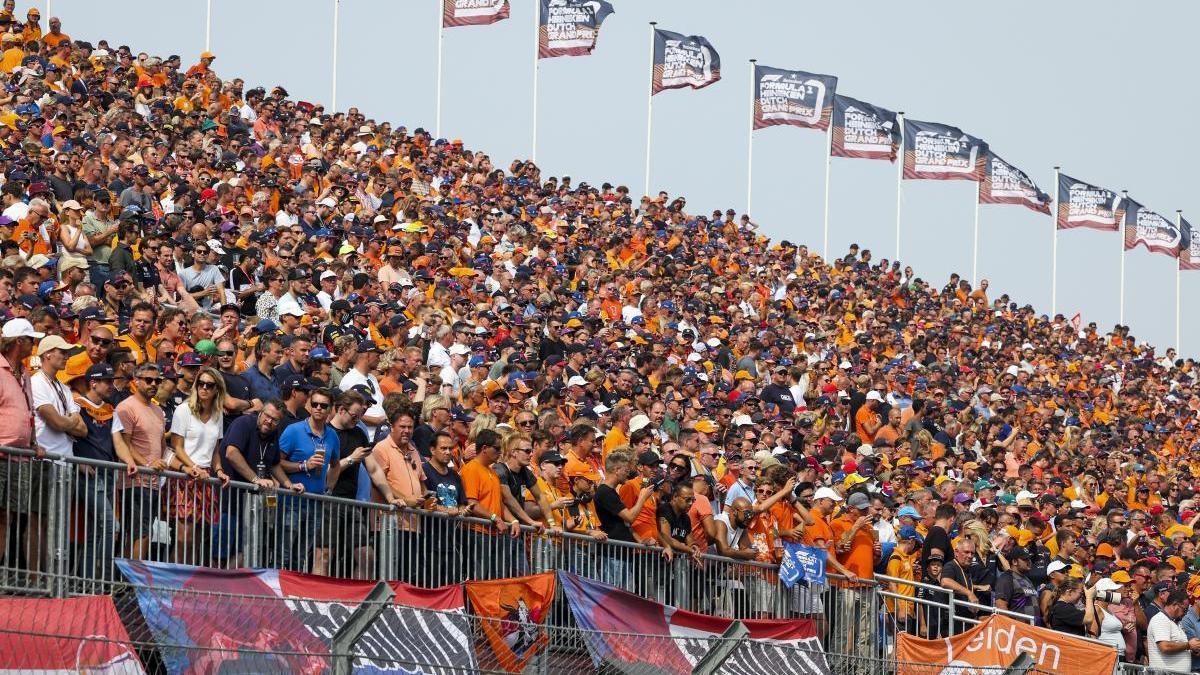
(1097, 87)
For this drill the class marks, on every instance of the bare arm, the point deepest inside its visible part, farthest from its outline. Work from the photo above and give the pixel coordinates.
(70, 424)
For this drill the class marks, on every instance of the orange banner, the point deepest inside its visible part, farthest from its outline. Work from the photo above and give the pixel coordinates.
(516, 605)
(996, 642)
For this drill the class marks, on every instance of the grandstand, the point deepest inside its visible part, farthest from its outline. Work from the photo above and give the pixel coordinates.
(244, 332)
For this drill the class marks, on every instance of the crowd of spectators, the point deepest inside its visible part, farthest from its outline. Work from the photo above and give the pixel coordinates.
(221, 280)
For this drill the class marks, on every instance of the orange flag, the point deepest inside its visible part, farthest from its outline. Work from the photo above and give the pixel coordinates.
(513, 610)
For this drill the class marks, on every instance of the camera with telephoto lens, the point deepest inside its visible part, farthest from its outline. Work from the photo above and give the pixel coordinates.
(1112, 597)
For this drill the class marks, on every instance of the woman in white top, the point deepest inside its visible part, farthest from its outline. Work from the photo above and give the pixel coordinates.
(71, 237)
(196, 429)
(1098, 621)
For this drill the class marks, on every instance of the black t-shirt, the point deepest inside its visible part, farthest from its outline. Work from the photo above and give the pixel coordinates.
(937, 538)
(1066, 618)
(349, 440)
(237, 387)
(609, 507)
(780, 396)
(952, 570)
(518, 482)
(422, 438)
(452, 481)
(243, 434)
(238, 280)
(680, 524)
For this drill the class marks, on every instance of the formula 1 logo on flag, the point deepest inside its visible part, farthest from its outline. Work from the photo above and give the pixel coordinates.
(1006, 184)
(792, 97)
(941, 152)
(570, 27)
(863, 131)
(683, 61)
(1082, 204)
(1149, 229)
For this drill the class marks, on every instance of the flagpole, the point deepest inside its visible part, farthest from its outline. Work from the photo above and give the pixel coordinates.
(1179, 227)
(441, 34)
(975, 244)
(537, 38)
(207, 25)
(750, 141)
(899, 181)
(650, 108)
(1054, 206)
(1121, 302)
(337, 4)
(828, 171)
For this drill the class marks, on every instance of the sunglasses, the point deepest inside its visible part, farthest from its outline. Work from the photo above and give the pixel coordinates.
(226, 354)
(151, 380)
(763, 491)
(679, 467)
(526, 423)
(206, 384)
(318, 406)
(102, 341)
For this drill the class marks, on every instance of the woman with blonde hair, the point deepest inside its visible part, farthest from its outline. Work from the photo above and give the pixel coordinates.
(196, 429)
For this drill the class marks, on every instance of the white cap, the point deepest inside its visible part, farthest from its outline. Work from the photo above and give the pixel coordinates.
(874, 396)
(742, 421)
(328, 274)
(1107, 585)
(866, 450)
(713, 342)
(1026, 494)
(14, 328)
(600, 409)
(638, 422)
(844, 365)
(328, 201)
(826, 493)
(576, 381)
(694, 357)
(293, 310)
(457, 349)
(1056, 566)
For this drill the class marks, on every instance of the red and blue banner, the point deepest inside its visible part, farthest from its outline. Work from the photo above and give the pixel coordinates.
(630, 624)
(264, 620)
(457, 13)
(570, 27)
(935, 151)
(70, 635)
(1146, 228)
(792, 97)
(863, 131)
(683, 61)
(1004, 183)
(1085, 205)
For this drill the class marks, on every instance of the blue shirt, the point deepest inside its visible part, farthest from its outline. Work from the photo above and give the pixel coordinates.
(298, 442)
(1190, 624)
(262, 387)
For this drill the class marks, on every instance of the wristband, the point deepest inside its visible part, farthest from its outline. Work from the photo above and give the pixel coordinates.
(492, 518)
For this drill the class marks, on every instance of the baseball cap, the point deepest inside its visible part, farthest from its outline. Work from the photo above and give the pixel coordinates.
(320, 354)
(826, 493)
(189, 360)
(367, 346)
(1056, 566)
(649, 458)
(552, 457)
(52, 342)
(908, 511)
(20, 328)
(638, 422)
(706, 426)
(858, 501)
(909, 532)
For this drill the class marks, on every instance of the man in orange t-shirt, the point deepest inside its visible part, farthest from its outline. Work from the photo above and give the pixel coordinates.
(866, 420)
(855, 540)
(488, 554)
(645, 526)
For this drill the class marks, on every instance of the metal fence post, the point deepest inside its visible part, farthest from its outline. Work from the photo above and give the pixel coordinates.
(58, 524)
(722, 650)
(388, 524)
(342, 644)
(253, 509)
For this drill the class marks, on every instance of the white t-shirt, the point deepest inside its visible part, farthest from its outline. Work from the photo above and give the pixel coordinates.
(49, 391)
(1163, 628)
(199, 438)
(353, 378)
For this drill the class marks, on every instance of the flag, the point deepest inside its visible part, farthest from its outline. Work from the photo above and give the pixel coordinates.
(802, 562)
(629, 633)
(265, 620)
(512, 611)
(1076, 321)
(457, 13)
(1147, 228)
(942, 152)
(1189, 247)
(792, 97)
(1004, 183)
(1084, 205)
(683, 61)
(45, 636)
(570, 27)
(864, 131)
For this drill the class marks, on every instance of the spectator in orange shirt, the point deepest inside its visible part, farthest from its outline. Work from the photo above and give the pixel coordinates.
(490, 556)
(866, 420)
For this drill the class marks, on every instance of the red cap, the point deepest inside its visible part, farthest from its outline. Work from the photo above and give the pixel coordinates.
(1157, 509)
(850, 467)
